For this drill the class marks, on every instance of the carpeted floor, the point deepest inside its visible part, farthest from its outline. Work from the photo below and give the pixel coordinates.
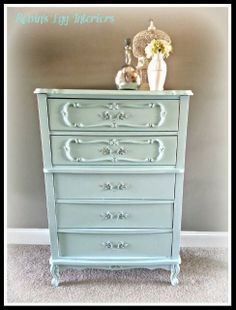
(203, 279)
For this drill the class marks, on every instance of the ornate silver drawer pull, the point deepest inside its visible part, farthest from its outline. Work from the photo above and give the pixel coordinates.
(106, 150)
(122, 116)
(109, 186)
(106, 115)
(121, 186)
(112, 245)
(107, 215)
(122, 215)
(118, 216)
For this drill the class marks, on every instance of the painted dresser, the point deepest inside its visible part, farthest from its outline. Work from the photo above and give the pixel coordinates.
(114, 170)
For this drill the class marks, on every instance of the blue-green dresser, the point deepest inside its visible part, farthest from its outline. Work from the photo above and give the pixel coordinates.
(114, 170)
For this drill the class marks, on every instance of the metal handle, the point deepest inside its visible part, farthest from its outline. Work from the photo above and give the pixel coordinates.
(121, 151)
(121, 245)
(121, 186)
(106, 115)
(122, 116)
(106, 150)
(112, 245)
(109, 186)
(107, 215)
(119, 216)
(108, 244)
(122, 215)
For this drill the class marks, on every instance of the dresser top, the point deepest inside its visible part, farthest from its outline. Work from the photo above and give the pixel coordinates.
(57, 92)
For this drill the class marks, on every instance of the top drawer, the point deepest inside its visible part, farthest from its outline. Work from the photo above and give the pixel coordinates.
(113, 115)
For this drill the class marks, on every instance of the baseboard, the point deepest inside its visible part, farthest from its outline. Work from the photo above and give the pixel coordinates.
(188, 238)
(209, 239)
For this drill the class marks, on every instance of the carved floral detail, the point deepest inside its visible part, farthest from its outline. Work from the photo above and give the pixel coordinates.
(113, 150)
(113, 115)
(110, 150)
(113, 106)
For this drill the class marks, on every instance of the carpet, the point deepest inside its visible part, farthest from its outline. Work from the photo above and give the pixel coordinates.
(203, 279)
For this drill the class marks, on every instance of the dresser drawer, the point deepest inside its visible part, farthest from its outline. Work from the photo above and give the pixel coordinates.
(82, 150)
(126, 215)
(118, 185)
(113, 115)
(99, 245)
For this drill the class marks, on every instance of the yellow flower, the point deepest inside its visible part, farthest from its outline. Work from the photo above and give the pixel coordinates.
(156, 46)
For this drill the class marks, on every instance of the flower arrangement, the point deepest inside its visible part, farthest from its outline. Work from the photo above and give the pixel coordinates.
(158, 46)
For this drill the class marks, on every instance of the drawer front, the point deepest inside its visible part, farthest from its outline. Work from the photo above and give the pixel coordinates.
(102, 185)
(112, 115)
(114, 215)
(115, 245)
(82, 150)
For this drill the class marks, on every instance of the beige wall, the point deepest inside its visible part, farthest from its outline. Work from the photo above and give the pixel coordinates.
(88, 56)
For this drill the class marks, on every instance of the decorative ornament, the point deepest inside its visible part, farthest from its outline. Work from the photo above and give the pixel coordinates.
(128, 77)
(140, 41)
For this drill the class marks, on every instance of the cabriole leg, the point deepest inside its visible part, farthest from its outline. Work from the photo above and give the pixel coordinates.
(175, 269)
(54, 269)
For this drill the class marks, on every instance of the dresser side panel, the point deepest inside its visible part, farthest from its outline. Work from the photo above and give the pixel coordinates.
(182, 137)
(48, 178)
(183, 125)
(51, 211)
(44, 130)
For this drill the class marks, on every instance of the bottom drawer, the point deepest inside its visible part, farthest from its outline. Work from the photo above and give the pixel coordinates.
(115, 245)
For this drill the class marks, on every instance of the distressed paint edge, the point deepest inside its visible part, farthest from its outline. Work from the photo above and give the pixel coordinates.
(40, 236)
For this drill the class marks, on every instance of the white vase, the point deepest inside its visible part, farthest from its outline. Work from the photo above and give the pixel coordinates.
(157, 70)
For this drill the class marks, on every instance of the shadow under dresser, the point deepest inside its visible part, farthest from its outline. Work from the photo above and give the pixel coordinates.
(114, 171)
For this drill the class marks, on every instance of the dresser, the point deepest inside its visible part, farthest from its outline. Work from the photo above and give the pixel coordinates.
(114, 171)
